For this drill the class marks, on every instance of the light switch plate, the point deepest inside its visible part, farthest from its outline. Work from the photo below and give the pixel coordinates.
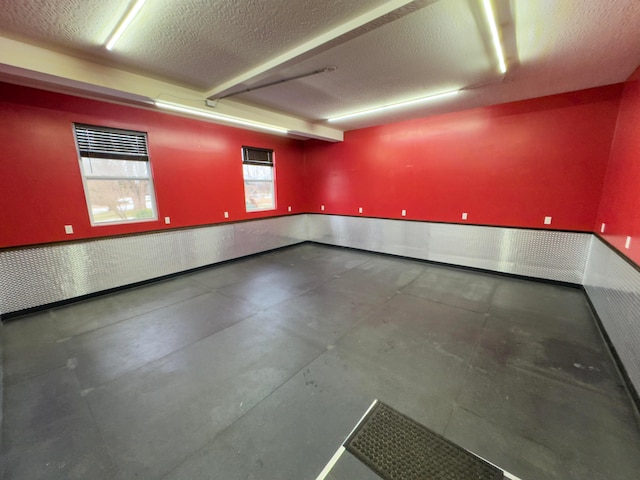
(547, 220)
(464, 215)
(68, 229)
(167, 220)
(226, 214)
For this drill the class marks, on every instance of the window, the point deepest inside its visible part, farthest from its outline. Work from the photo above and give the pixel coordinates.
(257, 169)
(116, 174)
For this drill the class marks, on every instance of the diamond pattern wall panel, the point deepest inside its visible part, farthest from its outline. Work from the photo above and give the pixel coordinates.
(613, 285)
(543, 254)
(34, 276)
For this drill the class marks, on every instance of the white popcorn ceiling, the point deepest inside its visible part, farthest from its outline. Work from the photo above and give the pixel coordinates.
(553, 46)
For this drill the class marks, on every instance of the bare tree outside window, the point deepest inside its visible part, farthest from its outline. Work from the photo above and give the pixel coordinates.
(257, 169)
(117, 176)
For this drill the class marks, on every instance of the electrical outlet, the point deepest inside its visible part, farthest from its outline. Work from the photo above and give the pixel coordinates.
(547, 220)
(627, 244)
(167, 220)
(602, 228)
(226, 214)
(68, 229)
(289, 208)
(360, 210)
(404, 213)
(322, 207)
(464, 215)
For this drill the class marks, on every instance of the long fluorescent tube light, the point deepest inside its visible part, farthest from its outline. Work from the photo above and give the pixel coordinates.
(394, 105)
(216, 116)
(494, 34)
(115, 36)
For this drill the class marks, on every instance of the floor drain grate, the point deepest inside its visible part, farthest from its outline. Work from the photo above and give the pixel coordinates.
(398, 448)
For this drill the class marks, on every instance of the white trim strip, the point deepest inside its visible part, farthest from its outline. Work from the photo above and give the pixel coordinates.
(329, 466)
(505, 474)
(510, 476)
(336, 456)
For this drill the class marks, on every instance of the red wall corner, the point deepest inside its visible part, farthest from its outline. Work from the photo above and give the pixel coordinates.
(620, 204)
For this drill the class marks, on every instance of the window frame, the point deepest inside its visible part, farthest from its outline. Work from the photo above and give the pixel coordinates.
(115, 156)
(270, 162)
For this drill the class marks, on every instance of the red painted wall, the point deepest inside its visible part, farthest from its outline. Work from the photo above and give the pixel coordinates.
(620, 207)
(196, 166)
(507, 165)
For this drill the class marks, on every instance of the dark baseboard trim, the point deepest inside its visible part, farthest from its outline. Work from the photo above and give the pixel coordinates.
(28, 311)
(47, 306)
(633, 393)
(455, 266)
(618, 252)
(631, 389)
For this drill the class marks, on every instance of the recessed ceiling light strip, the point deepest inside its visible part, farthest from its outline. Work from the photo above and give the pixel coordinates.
(494, 35)
(394, 105)
(124, 24)
(216, 116)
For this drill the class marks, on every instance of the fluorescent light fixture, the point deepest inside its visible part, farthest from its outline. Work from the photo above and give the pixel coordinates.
(494, 34)
(395, 105)
(124, 23)
(216, 116)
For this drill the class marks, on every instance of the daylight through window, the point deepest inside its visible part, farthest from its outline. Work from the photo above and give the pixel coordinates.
(257, 169)
(117, 174)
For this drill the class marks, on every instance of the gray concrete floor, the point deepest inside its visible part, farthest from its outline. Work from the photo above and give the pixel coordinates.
(259, 368)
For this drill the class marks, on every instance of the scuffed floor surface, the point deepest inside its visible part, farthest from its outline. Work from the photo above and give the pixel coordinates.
(259, 368)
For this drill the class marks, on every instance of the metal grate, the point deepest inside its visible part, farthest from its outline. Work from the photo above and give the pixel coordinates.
(398, 448)
(257, 156)
(111, 143)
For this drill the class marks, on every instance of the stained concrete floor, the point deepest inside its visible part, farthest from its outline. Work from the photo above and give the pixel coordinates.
(259, 368)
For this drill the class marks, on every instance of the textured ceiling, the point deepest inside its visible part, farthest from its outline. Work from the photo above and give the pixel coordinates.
(420, 54)
(412, 49)
(193, 42)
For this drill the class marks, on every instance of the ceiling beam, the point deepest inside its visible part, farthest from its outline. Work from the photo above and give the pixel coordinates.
(39, 67)
(310, 45)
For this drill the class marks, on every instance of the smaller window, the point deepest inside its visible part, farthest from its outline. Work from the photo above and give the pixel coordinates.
(116, 173)
(257, 169)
